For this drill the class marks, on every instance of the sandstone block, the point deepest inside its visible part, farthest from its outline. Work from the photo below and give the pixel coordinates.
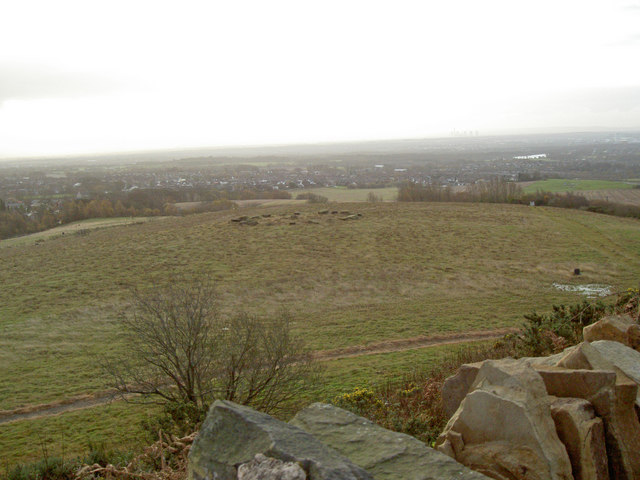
(504, 428)
(621, 356)
(613, 403)
(582, 433)
(455, 388)
(617, 328)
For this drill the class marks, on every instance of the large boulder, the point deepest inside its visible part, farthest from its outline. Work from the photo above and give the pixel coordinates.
(617, 328)
(456, 387)
(606, 355)
(504, 429)
(612, 394)
(582, 433)
(384, 454)
(232, 435)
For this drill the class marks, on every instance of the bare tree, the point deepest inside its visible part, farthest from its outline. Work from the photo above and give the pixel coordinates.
(182, 350)
(260, 363)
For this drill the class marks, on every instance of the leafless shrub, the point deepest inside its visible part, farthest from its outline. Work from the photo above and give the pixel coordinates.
(182, 351)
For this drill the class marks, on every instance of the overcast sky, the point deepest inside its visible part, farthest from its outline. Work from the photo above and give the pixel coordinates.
(94, 76)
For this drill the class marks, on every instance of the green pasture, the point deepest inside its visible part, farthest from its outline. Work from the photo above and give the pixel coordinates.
(118, 425)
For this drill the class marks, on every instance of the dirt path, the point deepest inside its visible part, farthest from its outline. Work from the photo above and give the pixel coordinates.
(402, 344)
(388, 346)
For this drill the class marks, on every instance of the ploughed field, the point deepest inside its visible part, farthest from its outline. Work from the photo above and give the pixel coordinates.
(398, 271)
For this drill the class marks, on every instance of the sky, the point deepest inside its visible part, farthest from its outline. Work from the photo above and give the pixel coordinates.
(92, 76)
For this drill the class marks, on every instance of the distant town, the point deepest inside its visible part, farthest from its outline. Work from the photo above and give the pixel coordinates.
(456, 162)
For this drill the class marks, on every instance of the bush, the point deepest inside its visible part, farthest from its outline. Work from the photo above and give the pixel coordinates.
(413, 405)
(183, 354)
(312, 198)
(373, 198)
(551, 333)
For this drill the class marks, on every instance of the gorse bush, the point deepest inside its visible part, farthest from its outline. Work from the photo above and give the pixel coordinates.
(413, 405)
(552, 332)
(628, 303)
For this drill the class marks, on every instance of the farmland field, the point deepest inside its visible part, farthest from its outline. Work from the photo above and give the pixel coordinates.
(399, 271)
(626, 196)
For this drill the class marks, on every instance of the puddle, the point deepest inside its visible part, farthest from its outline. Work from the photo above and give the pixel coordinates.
(591, 290)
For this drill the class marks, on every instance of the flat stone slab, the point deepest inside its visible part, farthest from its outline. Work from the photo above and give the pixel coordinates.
(233, 434)
(625, 358)
(385, 454)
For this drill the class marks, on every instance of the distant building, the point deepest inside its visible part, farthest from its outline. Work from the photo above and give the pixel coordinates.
(530, 157)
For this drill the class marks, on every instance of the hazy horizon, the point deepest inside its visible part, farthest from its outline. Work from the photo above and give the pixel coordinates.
(81, 78)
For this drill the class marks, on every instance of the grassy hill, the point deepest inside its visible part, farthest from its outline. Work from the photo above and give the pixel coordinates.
(400, 271)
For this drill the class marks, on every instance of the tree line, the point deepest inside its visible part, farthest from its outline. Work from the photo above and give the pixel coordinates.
(499, 190)
(136, 203)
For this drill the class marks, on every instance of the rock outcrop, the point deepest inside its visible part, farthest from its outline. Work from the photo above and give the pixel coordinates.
(568, 416)
(262, 467)
(501, 411)
(503, 427)
(385, 454)
(320, 442)
(232, 435)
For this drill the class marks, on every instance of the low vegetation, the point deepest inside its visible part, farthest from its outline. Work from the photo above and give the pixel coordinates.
(135, 203)
(414, 404)
(182, 353)
(312, 197)
(345, 194)
(496, 190)
(499, 190)
(563, 185)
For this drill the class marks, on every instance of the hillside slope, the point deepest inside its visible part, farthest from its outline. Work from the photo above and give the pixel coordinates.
(399, 271)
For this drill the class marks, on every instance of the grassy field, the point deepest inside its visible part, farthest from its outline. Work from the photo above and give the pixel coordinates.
(78, 228)
(118, 425)
(343, 194)
(558, 185)
(400, 271)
